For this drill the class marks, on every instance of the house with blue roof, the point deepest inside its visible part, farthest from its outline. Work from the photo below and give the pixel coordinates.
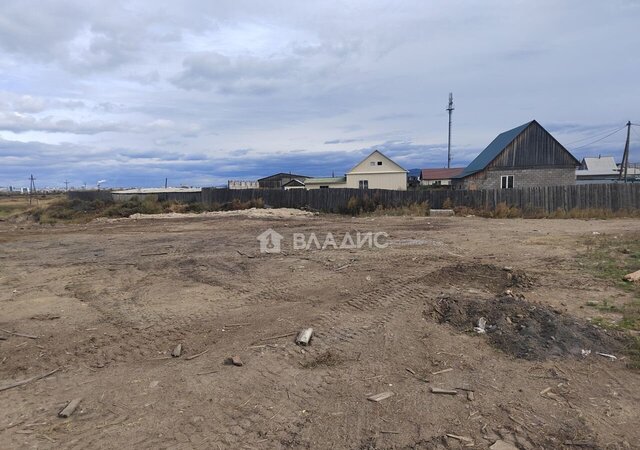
(525, 156)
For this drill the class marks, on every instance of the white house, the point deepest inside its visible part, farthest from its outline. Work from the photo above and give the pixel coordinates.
(376, 171)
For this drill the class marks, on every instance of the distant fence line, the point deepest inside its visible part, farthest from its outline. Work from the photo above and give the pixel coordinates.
(181, 197)
(613, 197)
(90, 195)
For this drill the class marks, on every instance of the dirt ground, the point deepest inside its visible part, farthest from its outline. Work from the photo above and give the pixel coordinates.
(108, 302)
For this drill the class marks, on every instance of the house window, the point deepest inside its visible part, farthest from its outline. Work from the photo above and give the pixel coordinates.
(372, 163)
(506, 181)
(364, 184)
(379, 163)
(324, 187)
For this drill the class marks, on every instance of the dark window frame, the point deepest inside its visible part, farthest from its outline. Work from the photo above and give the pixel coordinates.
(506, 182)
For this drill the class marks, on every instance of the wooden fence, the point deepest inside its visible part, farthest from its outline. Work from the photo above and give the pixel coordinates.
(611, 197)
(180, 197)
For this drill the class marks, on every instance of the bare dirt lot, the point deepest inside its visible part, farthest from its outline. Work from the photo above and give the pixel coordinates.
(108, 302)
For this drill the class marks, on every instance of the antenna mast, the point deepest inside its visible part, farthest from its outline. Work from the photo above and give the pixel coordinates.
(32, 187)
(450, 108)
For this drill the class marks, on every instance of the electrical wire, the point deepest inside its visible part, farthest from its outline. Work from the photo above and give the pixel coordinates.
(602, 138)
(590, 137)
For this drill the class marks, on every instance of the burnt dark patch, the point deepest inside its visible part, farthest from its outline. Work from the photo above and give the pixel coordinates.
(524, 329)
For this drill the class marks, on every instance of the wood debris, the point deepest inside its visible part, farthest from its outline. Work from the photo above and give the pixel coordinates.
(70, 408)
(304, 337)
(381, 396)
(442, 371)
(28, 380)
(467, 441)
(19, 334)
(435, 390)
(270, 338)
(607, 355)
(189, 358)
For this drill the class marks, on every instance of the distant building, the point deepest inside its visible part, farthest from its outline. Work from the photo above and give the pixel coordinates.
(295, 184)
(413, 178)
(376, 171)
(278, 180)
(597, 170)
(242, 184)
(439, 177)
(326, 183)
(525, 156)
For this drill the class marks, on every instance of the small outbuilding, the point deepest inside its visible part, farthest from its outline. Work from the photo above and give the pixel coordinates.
(439, 177)
(278, 180)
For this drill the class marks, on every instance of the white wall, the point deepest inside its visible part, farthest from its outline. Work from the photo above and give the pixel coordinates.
(393, 181)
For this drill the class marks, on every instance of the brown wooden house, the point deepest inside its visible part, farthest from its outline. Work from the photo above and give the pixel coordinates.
(525, 156)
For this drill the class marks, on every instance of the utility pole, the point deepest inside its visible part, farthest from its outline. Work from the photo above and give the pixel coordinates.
(625, 156)
(32, 187)
(66, 185)
(166, 181)
(450, 108)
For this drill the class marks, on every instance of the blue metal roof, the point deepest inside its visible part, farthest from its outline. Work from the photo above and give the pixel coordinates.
(492, 151)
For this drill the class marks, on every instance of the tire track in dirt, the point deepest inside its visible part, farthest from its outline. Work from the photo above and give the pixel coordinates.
(359, 319)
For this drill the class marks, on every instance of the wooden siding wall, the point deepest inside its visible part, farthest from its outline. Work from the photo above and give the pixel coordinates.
(534, 147)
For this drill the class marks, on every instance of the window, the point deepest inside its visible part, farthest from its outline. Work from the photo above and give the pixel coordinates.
(324, 187)
(506, 181)
(372, 163)
(364, 184)
(379, 163)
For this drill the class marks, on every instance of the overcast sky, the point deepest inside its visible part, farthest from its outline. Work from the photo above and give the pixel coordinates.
(204, 91)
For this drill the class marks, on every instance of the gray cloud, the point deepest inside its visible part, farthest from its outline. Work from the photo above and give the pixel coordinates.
(286, 81)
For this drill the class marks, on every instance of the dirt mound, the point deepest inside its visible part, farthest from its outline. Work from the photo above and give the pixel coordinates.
(495, 279)
(525, 330)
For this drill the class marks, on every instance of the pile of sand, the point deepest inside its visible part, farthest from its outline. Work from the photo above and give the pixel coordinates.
(252, 212)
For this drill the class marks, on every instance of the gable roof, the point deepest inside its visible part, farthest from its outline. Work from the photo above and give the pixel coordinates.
(493, 150)
(441, 174)
(282, 175)
(400, 168)
(605, 165)
(294, 182)
(326, 180)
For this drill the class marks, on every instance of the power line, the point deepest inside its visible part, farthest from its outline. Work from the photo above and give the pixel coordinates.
(589, 137)
(602, 138)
